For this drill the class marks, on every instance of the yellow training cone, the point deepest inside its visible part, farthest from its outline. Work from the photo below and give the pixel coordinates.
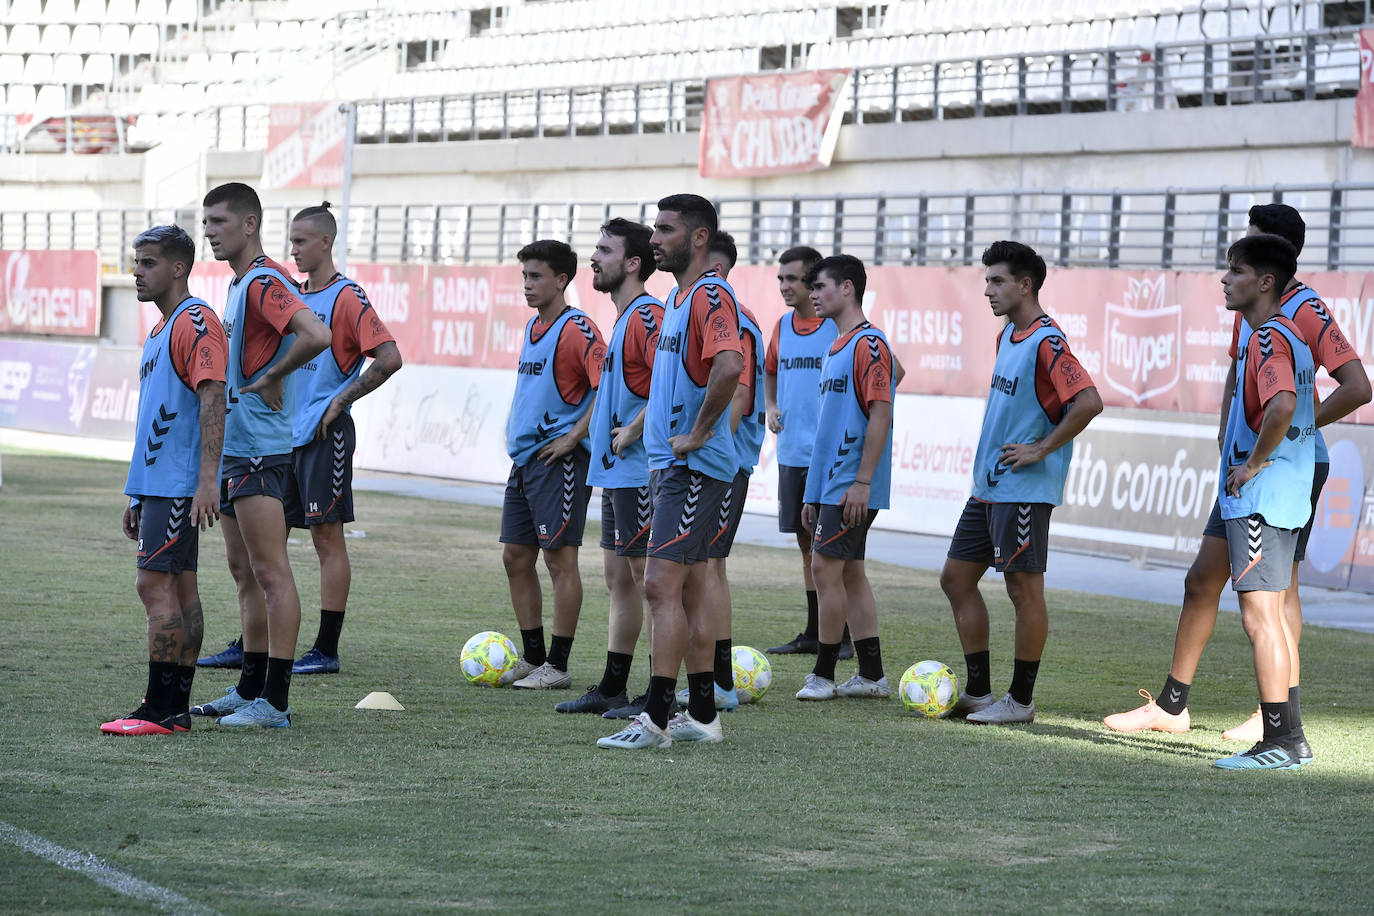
(378, 699)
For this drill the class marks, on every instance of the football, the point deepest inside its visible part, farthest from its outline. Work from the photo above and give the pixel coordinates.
(486, 657)
(753, 673)
(929, 688)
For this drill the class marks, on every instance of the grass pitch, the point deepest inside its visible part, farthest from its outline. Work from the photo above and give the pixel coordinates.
(488, 800)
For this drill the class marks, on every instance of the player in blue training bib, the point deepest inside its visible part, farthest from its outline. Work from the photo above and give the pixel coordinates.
(792, 377)
(692, 462)
(746, 427)
(1039, 399)
(1167, 711)
(173, 475)
(545, 507)
(272, 333)
(1267, 461)
(320, 492)
(619, 464)
(849, 479)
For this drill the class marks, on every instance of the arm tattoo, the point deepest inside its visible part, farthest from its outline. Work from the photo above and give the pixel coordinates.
(369, 381)
(211, 423)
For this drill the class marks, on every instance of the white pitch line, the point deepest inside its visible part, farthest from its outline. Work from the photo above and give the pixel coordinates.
(84, 863)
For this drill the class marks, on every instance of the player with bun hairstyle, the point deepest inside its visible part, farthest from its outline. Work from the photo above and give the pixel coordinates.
(320, 497)
(1210, 570)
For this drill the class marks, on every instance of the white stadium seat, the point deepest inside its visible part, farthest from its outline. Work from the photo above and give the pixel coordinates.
(181, 12)
(143, 39)
(50, 101)
(85, 38)
(90, 11)
(21, 97)
(23, 39)
(67, 68)
(38, 68)
(56, 39)
(25, 11)
(152, 11)
(115, 36)
(98, 70)
(121, 11)
(59, 11)
(11, 68)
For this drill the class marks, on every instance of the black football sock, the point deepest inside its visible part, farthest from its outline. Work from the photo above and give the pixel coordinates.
(724, 668)
(162, 684)
(701, 696)
(1277, 719)
(812, 614)
(1023, 680)
(331, 625)
(277, 689)
(560, 647)
(661, 690)
(1294, 712)
(1173, 699)
(979, 680)
(870, 657)
(534, 646)
(826, 655)
(186, 675)
(253, 675)
(616, 675)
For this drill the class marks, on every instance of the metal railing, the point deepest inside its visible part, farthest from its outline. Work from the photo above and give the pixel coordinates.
(1241, 71)
(1118, 227)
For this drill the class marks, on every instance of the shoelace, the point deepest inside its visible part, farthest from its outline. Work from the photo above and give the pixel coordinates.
(1149, 700)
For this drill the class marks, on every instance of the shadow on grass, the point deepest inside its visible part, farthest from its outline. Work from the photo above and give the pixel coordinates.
(1131, 741)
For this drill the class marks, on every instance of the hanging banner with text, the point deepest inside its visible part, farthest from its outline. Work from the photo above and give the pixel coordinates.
(1362, 133)
(305, 146)
(50, 292)
(771, 124)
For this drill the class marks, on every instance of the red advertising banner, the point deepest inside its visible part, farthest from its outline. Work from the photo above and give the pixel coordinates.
(1362, 133)
(50, 292)
(1156, 340)
(771, 124)
(305, 146)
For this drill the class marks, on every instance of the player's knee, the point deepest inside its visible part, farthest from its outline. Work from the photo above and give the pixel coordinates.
(561, 563)
(1024, 590)
(660, 589)
(1255, 624)
(273, 579)
(518, 559)
(155, 589)
(954, 585)
(240, 568)
(329, 541)
(1202, 585)
(618, 575)
(826, 572)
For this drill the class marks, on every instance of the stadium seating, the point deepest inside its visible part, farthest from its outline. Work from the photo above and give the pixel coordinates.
(474, 68)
